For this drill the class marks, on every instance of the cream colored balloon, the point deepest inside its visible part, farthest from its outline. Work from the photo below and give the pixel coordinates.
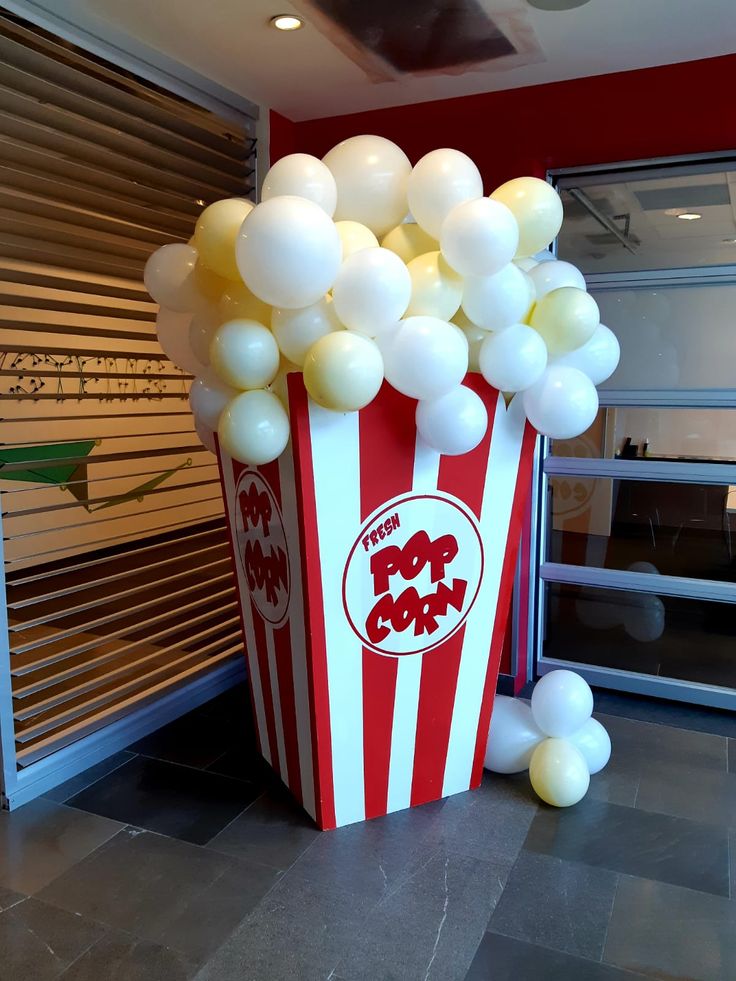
(238, 303)
(343, 371)
(306, 177)
(354, 237)
(279, 386)
(436, 289)
(409, 240)
(215, 234)
(537, 207)
(202, 329)
(209, 284)
(254, 428)
(371, 174)
(473, 335)
(558, 773)
(566, 318)
(297, 330)
(245, 354)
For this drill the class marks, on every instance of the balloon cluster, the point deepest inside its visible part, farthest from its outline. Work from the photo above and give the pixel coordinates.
(358, 268)
(556, 738)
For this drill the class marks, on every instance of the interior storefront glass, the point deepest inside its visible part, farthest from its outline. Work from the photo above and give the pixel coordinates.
(674, 529)
(671, 637)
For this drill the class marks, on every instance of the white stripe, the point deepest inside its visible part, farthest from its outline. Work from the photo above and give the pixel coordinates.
(498, 497)
(276, 698)
(245, 606)
(409, 674)
(296, 630)
(336, 464)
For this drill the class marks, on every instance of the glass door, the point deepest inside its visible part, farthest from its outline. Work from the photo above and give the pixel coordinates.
(635, 565)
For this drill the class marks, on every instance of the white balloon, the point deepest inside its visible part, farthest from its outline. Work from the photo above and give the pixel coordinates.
(304, 176)
(548, 276)
(498, 301)
(206, 436)
(297, 330)
(288, 252)
(598, 358)
(425, 358)
(562, 702)
(254, 428)
(208, 396)
(169, 277)
(513, 736)
(354, 237)
(562, 404)
(645, 620)
(372, 291)
(478, 238)
(455, 422)
(172, 330)
(440, 181)
(202, 329)
(513, 359)
(371, 174)
(526, 263)
(594, 743)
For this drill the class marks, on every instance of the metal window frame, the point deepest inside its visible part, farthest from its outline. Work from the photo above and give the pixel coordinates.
(18, 786)
(541, 572)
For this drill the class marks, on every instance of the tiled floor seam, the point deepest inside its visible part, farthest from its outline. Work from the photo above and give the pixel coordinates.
(610, 914)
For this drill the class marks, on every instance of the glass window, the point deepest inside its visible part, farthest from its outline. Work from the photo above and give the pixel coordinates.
(668, 636)
(639, 221)
(674, 529)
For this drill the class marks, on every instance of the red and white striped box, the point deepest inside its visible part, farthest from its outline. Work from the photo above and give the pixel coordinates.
(375, 579)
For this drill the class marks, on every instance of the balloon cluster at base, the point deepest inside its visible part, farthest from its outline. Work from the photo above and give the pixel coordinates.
(556, 738)
(360, 268)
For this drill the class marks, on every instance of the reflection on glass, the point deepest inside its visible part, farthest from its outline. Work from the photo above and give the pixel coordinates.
(648, 526)
(689, 639)
(684, 435)
(634, 222)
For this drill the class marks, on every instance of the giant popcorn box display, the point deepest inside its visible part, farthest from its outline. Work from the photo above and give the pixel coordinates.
(375, 578)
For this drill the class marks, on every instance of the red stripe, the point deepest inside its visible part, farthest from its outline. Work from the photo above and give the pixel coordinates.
(387, 439)
(272, 476)
(241, 599)
(464, 477)
(285, 673)
(259, 631)
(314, 625)
(521, 492)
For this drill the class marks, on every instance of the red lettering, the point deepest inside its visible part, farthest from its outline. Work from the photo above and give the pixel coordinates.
(366, 540)
(255, 508)
(265, 570)
(423, 612)
(376, 630)
(411, 559)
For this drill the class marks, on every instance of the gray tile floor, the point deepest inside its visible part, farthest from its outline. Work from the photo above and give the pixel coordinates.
(183, 859)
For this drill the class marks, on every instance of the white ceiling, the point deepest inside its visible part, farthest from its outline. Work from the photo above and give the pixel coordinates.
(306, 74)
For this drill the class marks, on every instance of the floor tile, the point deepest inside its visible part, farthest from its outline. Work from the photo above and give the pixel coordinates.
(664, 931)
(371, 856)
(732, 859)
(504, 959)
(644, 746)
(625, 839)
(617, 784)
(87, 777)
(732, 755)
(9, 898)
(120, 957)
(173, 800)
(244, 762)
(556, 903)
(157, 887)
(696, 718)
(685, 791)
(428, 925)
(299, 931)
(193, 740)
(491, 822)
(274, 830)
(38, 941)
(43, 839)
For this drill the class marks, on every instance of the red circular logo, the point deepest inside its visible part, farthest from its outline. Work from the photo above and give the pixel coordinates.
(413, 574)
(261, 546)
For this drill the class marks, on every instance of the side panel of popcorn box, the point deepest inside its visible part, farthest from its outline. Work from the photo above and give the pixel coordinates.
(375, 579)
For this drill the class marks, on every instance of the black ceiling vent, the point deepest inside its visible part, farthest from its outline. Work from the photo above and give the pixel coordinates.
(420, 35)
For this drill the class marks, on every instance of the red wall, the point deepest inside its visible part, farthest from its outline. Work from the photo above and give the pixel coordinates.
(653, 112)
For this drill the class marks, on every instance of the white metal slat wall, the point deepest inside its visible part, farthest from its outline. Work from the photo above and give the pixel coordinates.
(105, 611)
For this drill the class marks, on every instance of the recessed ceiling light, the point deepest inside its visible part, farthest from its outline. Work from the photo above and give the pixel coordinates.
(689, 216)
(556, 4)
(286, 22)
